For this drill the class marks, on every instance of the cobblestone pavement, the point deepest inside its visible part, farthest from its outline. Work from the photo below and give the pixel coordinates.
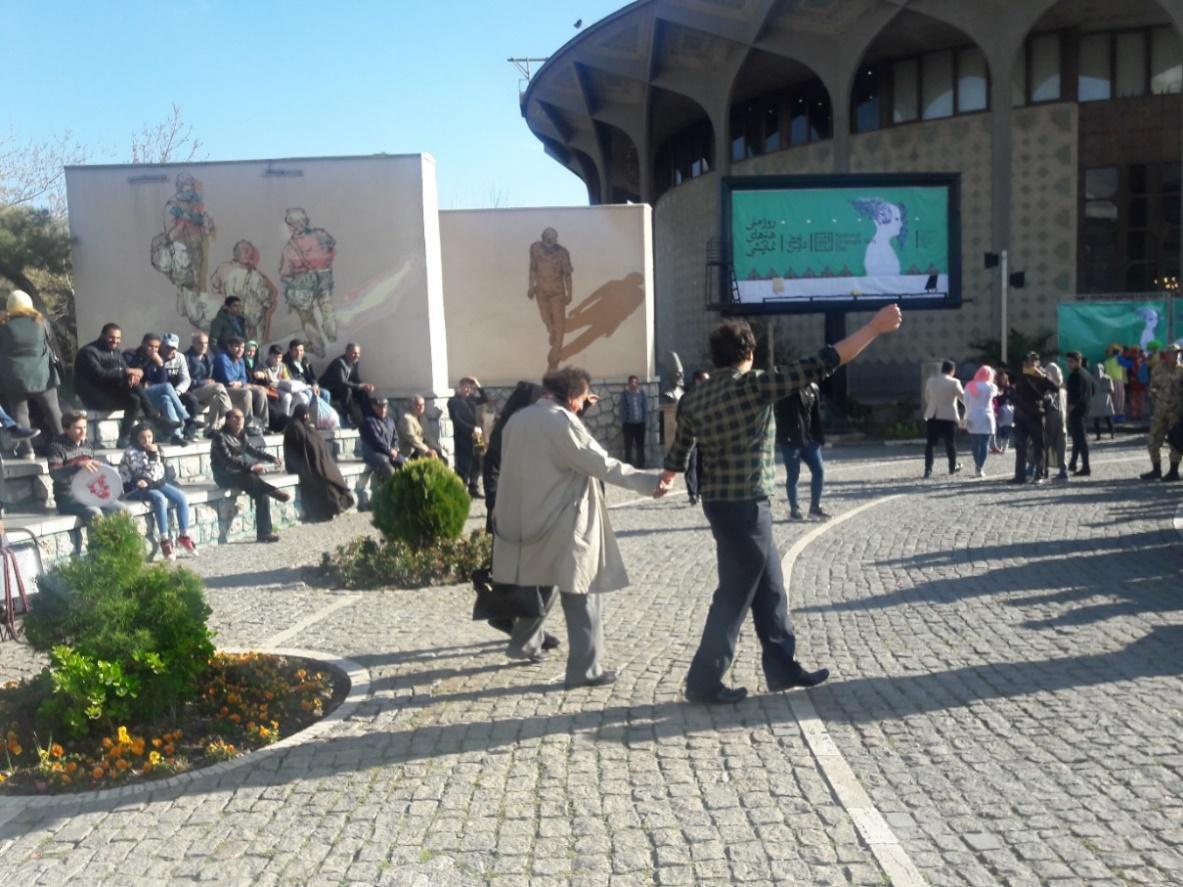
(1006, 691)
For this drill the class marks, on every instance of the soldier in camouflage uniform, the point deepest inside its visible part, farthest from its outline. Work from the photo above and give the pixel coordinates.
(1166, 399)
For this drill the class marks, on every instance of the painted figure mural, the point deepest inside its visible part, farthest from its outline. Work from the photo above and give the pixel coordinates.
(306, 271)
(181, 251)
(241, 277)
(550, 287)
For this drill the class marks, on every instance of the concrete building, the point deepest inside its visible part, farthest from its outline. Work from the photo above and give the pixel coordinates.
(1063, 119)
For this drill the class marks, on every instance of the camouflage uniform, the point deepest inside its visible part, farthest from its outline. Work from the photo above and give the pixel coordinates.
(1166, 399)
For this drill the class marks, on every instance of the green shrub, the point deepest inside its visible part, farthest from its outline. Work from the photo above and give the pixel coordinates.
(128, 640)
(422, 504)
(369, 563)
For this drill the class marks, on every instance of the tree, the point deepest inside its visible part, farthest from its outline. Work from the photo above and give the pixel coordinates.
(35, 254)
(170, 141)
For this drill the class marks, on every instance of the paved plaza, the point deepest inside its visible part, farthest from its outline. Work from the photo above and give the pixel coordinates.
(1004, 709)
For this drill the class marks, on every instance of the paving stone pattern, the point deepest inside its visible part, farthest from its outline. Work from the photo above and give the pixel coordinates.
(1006, 691)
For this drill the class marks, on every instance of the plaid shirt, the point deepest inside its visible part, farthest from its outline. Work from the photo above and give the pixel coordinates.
(729, 417)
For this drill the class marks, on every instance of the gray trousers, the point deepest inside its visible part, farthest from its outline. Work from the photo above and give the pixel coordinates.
(585, 635)
(51, 412)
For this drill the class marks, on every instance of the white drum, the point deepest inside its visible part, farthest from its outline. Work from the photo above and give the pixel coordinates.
(97, 488)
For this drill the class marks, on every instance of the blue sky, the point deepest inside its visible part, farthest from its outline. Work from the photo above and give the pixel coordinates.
(258, 78)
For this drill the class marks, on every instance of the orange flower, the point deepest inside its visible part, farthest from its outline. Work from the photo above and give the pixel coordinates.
(168, 749)
(71, 766)
(138, 747)
(56, 750)
(122, 765)
(65, 780)
(107, 743)
(97, 773)
(14, 747)
(156, 743)
(235, 718)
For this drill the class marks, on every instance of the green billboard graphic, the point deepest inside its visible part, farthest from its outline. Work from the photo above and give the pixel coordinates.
(841, 242)
(1091, 327)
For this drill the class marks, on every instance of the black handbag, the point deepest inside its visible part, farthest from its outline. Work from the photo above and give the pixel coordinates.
(497, 600)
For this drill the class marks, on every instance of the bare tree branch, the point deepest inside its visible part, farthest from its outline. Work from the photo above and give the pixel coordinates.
(169, 141)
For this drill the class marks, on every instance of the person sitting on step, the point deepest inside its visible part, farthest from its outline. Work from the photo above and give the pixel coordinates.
(238, 465)
(146, 478)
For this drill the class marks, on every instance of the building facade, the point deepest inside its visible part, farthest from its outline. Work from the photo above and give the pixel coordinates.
(1061, 116)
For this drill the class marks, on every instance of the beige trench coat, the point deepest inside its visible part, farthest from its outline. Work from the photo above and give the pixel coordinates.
(551, 521)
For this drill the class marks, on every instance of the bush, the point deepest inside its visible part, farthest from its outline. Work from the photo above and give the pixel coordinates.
(369, 563)
(423, 504)
(127, 640)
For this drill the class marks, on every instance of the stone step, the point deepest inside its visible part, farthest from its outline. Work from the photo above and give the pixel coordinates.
(217, 516)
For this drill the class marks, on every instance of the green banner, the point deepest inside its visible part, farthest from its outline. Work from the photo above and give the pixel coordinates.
(1091, 327)
(840, 242)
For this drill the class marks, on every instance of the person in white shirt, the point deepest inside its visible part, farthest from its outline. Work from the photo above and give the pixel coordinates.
(942, 393)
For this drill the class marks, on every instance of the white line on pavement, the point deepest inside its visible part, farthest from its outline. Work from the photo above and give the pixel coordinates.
(287, 634)
(871, 825)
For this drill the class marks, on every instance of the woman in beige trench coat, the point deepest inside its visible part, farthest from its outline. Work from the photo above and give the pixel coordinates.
(551, 524)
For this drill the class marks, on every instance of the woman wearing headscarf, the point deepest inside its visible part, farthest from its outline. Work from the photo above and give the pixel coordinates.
(322, 488)
(28, 366)
(1104, 404)
(1055, 420)
(979, 416)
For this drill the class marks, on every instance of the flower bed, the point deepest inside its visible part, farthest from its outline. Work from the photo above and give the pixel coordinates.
(245, 701)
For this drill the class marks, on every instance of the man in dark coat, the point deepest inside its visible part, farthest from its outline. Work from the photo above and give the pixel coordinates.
(104, 381)
(1081, 389)
(237, 464)
(342, 380)
(462, 408)
(1027, 393)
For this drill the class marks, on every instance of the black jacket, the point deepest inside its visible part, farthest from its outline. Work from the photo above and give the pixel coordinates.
(341, 375)
(1027, 393)
(97, 371)
(232, 455)
(462, 411)
(1081, 389)
(305, 375)
(201, 369)
(799, 418)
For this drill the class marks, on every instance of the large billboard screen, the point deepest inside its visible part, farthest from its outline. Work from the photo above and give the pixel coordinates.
(810, 243)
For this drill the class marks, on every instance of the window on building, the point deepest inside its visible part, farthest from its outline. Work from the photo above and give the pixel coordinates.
(1129, 234)
(1094, 83)
(973, 82)
(867, 90)
(1166, 61)
(1044, 63)
(1130, 79)
(794, 116)
(936, 85)
(905, 90)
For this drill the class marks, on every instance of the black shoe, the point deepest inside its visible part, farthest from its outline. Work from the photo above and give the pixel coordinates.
(603, 680)
(927, 473)
(802, 678)
(20, 432)
(1084, 472)
(795, 514)
(170, 424)
(1173, 474)
(721, 696)
(267, 537)
(956, 468)
(819, 515)
(1154, 473)
(280, 495)
(693, 499)
(550, 642)
(178, 441)
(475, 494)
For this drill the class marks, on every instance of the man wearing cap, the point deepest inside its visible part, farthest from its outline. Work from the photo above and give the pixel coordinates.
(379, 441)
(1166, 382)
(1027, 393)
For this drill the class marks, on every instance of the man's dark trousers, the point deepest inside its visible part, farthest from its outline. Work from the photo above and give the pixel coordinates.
(1080, 440)
(749, 579)
(941, 429)
(634, 443)
(1026, 431)
(467, 465)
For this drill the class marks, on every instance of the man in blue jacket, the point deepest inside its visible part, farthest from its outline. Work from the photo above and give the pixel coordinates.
(230, 370)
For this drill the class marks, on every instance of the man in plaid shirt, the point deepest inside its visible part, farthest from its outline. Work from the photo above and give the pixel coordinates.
(730, 419)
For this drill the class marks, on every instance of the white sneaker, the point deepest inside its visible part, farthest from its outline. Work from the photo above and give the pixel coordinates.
(981, 472)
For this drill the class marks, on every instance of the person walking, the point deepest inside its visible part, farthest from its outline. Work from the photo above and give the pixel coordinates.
(1104, 406)
(1028, 394)
(1166, 386)
(731, 420)
(942, 393)
(1055, 423)
(29, 369)
(800, 438)
(979, 416)
(551, 525)
(1081, 389)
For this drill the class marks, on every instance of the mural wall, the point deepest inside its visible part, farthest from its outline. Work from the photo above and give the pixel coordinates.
(328, 250)
(526, 290)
